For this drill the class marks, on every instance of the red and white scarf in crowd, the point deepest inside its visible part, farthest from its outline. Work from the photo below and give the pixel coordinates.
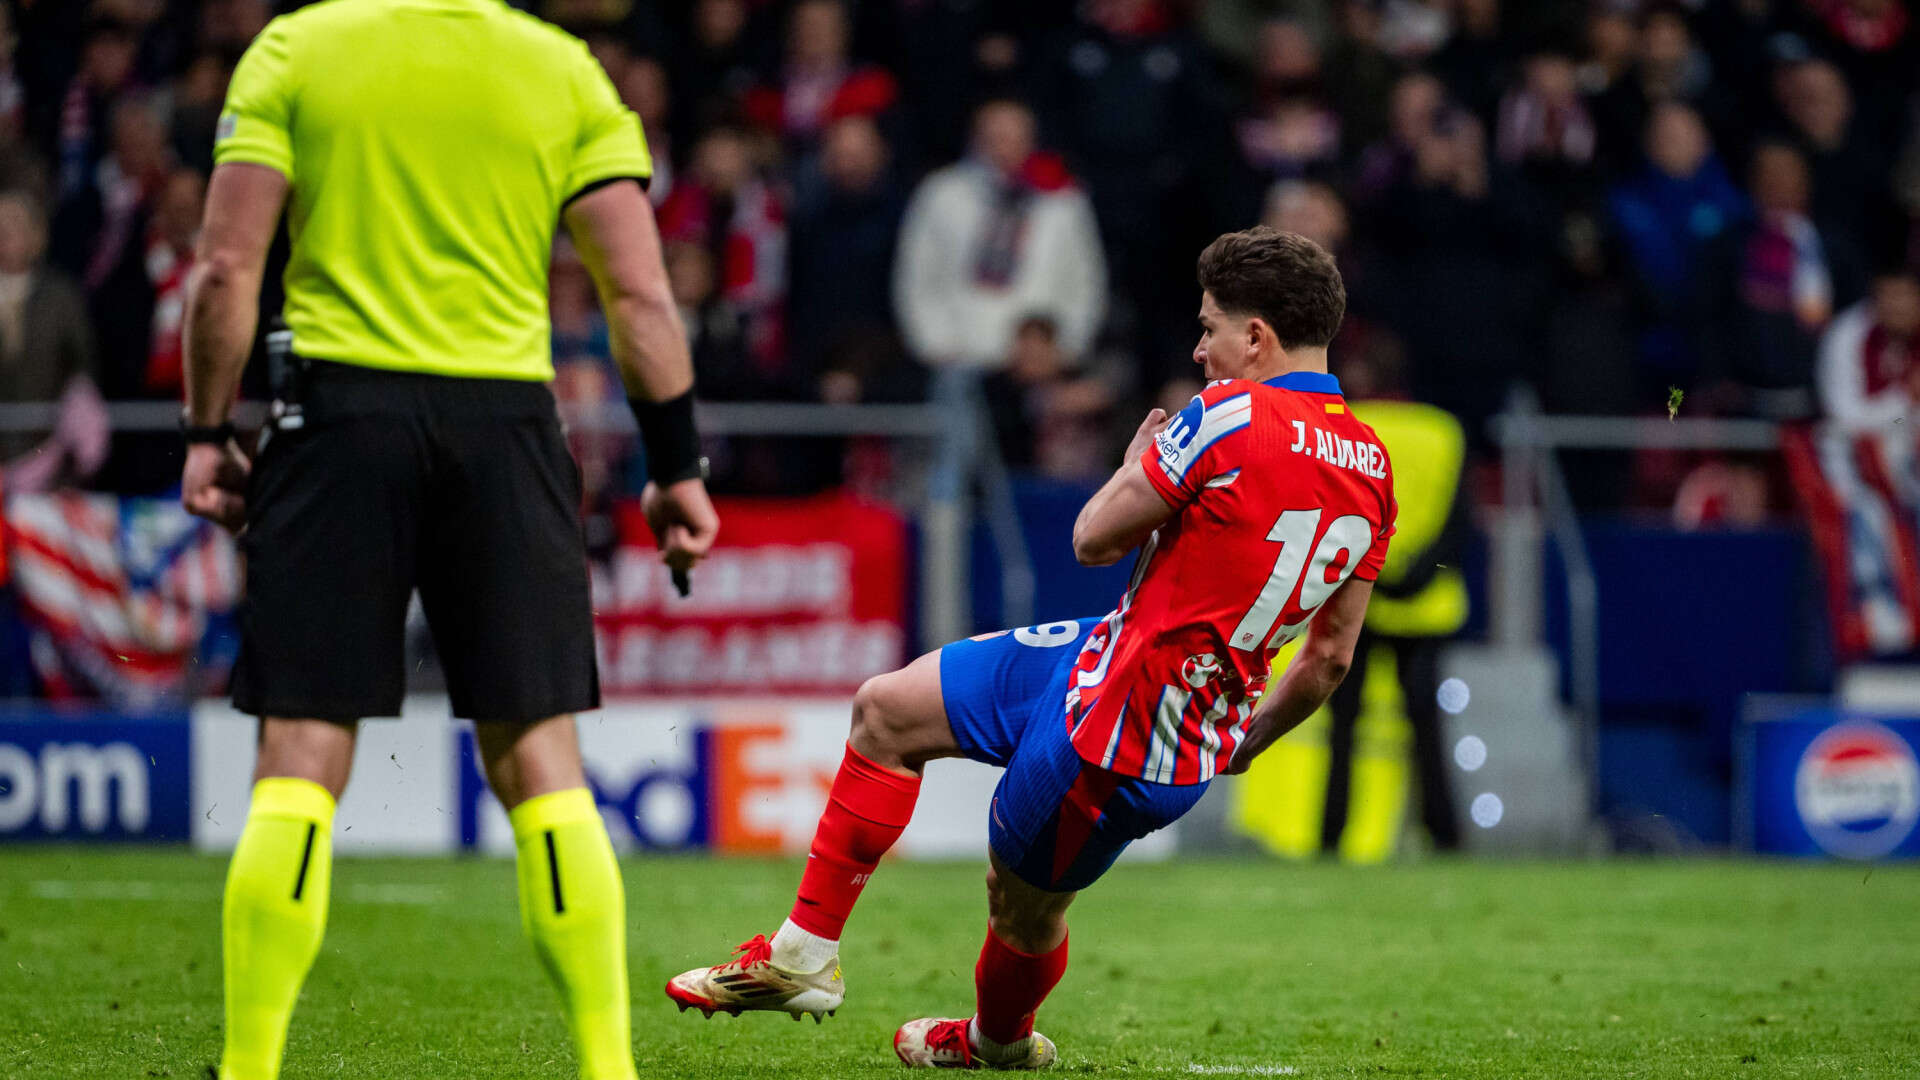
(167, 268)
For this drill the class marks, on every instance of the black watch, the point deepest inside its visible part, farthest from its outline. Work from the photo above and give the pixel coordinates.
(216, 434)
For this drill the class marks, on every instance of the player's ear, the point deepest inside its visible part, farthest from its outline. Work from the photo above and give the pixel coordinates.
(1260, 336)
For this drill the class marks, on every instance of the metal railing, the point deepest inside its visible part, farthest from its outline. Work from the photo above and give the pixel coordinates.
(966, 458)
(1537, 509)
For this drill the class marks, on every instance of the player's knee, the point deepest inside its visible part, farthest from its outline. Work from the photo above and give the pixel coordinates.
(880, 725)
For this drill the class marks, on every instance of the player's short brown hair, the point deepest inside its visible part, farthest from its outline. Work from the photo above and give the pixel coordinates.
(1287, 280)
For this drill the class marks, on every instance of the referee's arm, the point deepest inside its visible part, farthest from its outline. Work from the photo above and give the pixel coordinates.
(223, 305)
(613, 228)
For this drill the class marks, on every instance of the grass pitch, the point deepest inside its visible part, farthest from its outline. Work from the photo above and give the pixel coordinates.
(110, 967)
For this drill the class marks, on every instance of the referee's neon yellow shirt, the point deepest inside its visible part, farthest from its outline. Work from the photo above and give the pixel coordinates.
(430, 146)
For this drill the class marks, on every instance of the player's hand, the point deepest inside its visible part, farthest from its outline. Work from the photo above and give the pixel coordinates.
(683, 521)
(1259, 736)
(1143, 438)
(213, 484)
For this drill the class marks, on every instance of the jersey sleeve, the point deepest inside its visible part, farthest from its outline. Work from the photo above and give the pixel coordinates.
(611, 145)
(256, 125)
(1376, 557)
(1199, 445)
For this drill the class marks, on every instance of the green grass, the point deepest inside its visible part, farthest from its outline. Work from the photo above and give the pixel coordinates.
(110, 967)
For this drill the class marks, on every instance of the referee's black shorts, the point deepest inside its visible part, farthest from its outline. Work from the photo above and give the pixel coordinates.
(462, 488)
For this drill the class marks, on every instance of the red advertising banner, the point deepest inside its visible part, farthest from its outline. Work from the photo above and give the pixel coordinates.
(799, 596)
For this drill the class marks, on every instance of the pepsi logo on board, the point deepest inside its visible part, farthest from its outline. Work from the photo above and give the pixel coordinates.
(1858, 790)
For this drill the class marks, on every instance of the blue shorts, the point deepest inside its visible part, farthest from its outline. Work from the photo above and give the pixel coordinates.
(1056, 820)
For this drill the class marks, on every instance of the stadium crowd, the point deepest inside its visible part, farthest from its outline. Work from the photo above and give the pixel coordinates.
(864, 199)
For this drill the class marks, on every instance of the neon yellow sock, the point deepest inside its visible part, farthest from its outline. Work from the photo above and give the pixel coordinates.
(273, 919)
(575, 910)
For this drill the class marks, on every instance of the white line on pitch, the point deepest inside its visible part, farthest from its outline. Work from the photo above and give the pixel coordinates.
(402, 895)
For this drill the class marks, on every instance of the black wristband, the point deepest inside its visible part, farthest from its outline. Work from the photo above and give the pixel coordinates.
(216, 434)
(668, 436)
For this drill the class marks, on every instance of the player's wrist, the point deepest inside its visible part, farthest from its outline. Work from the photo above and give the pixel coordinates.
(669, 439)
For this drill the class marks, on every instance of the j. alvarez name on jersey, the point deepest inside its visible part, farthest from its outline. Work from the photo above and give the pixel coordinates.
(1359, 455)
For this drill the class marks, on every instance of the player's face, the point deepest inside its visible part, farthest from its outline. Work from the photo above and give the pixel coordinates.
(1222, 351)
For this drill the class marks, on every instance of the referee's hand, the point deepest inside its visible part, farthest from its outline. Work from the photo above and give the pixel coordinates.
(683, 521)
(213, 485)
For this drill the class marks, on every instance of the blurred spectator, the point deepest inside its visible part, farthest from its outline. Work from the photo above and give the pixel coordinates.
(140, 304)
(1311, 209)
(1870, 359)
(715, 330)
(1050, 415)
(1232, 28)
(1668, 66)
(643, 87)
(714, 68)
(1667, 214)
(1000, 237)
(723, 206)
(1515, 212)
(945, 53)
(1458, 294)
(1412, 30)
(843, 243)
(1130, 97)
(819, 82)
(229, 26)
(13, 96)
(198, 96)
(1875, 44)
(99, 223)
(1417, 103)
(1359, 75)
(1543, 122)
(1612, 46)
(70, 126)
(1770, 284)
(1849, 167)
(584, 379)
(46, 355)
(1291, 129)
(1477, 57)
(1904, 242)
(1315, 210)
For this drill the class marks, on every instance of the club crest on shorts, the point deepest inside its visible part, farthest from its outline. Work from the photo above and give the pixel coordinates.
(1858, 790)
(1200, 670)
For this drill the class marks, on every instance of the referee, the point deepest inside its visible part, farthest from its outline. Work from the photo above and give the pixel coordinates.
(424, 152)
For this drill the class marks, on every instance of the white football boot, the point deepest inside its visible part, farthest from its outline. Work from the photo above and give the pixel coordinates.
(750, 982)
(944, 1044)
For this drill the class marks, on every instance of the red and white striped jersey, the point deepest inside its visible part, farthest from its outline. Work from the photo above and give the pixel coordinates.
(1280, 494)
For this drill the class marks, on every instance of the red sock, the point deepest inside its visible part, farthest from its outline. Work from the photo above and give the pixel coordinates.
(1009, 986)
(866, 812)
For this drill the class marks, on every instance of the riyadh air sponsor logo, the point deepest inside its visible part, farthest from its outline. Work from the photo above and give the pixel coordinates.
(1176, 436)
(1200, 670)
(1858, 790)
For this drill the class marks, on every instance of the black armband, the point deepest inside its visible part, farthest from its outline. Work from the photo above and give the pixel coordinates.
(668, 436)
